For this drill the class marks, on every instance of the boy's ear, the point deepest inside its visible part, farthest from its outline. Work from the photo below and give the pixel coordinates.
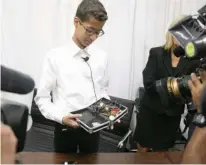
(76, 22)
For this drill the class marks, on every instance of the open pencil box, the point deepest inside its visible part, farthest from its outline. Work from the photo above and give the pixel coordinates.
(100, 115)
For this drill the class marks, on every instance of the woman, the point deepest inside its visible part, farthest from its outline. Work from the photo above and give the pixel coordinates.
(157, 125)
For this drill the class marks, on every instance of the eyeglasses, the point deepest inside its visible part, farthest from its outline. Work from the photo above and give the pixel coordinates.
(90, 31)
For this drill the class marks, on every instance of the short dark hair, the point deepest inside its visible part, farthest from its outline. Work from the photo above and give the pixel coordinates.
(91, 8)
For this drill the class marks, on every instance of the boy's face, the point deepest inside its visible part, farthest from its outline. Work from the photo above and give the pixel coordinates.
(87, 32)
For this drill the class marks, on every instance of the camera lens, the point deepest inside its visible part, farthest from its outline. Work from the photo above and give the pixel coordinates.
(178, 87)
(183, 86)
(174, 89)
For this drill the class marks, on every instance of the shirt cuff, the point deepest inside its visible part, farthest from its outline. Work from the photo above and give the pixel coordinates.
(106, 96)
(58, 117)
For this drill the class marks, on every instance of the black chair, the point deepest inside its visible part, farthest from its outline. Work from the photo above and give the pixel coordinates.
(141, 91)
(115, 140)
(37, 116)
(40, 137)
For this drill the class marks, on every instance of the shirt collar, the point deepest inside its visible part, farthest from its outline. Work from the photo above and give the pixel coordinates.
(75, 50)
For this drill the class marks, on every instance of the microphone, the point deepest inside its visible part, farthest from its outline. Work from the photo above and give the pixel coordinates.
(179, 51)
(85, 58)
(15, 82)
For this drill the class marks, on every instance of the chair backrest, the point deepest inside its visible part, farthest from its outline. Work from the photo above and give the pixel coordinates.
(135, 116)
(36, 114)
(141, 92)
(34, 106)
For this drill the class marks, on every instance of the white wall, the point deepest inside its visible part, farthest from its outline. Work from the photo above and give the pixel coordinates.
(1, 38)
(32, 27)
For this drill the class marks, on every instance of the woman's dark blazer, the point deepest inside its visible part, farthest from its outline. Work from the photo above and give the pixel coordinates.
(159, 66)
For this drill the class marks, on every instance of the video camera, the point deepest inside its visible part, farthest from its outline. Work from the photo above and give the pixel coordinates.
(15, 114)
(190, 32)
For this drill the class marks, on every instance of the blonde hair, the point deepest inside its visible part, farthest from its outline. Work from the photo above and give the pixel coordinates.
(169, 38)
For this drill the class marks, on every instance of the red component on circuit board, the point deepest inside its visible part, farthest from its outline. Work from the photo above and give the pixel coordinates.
(114, 111)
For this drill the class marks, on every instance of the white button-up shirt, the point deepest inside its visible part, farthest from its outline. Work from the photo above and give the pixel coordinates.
(68, 77)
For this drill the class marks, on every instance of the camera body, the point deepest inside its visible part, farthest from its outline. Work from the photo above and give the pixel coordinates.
(16, 116)
(190, 32)
(12, 113)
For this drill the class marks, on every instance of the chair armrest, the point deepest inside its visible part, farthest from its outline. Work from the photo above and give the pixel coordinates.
(122, 141)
